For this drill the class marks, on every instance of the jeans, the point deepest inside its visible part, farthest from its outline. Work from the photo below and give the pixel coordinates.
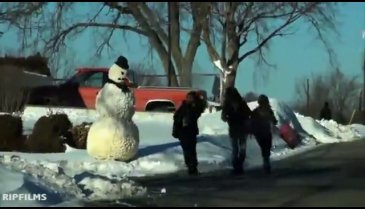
(238, 141)
(188, 145)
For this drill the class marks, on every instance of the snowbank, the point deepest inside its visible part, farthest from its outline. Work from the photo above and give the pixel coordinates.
(330, 131)
(159, 153)
(55, 182)
(50, 179)
(359, 129)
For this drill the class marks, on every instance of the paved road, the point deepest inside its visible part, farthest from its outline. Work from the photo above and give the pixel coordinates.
(332, 175)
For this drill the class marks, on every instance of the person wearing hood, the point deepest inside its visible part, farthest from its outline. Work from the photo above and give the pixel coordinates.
(326, 112)
(185, 128)
(262, 120)
(236, 113)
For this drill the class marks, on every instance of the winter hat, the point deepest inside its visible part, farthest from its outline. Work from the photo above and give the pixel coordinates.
(263, 100)
(122, 62)
(118, 71)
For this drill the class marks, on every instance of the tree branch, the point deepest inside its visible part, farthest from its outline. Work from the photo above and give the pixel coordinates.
(199, 13)
(98, 13)
(121, 9)
(213, 54)
(60, 37)
(151, 18)
(269, 37)
(106, 41)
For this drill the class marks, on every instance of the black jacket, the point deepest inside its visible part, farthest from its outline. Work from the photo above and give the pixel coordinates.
(326, 113)
(186, 120)
(262, 118)
(236, 115)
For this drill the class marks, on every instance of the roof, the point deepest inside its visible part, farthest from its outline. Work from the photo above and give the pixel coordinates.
(35, 63)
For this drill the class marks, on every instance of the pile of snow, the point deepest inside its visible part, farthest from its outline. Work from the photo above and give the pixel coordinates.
(330, 131)
(76, 175)
(343, 132)
(50, 179)
(359, 129)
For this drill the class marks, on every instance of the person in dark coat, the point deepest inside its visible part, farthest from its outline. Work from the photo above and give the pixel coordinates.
(236, 113)
(326, 112)
(185, 128)
(262, 119)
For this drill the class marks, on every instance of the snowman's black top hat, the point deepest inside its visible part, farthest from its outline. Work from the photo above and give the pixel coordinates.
(122, 62)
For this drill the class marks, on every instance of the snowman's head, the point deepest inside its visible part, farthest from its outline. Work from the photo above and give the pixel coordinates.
(118, 71)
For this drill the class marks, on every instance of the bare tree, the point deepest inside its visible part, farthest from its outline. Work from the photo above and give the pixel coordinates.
(332, 86)
(235, 31)
(53, 24)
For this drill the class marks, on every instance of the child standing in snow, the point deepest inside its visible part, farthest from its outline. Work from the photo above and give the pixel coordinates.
(185, 128)
(262, 119)
(236, 113)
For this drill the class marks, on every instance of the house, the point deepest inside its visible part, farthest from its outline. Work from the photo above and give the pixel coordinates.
(29, 71)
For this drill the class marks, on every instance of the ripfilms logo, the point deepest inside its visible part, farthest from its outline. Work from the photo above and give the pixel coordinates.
(23, 197)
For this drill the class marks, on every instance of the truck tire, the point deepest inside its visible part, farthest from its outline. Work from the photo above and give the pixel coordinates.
(160, 107)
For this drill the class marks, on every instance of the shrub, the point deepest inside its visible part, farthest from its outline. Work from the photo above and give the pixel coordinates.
(11, 133)
(79, 136)
(49, 134)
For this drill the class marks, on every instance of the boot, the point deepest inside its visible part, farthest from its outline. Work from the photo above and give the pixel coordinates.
(267, 166)
(193, 171)
(238, 170)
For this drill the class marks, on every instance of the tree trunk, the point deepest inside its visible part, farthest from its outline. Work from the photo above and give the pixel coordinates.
(221, 87)
(165, 62)
(230, 79)
(185, 80)
(185, 72)
(173, 80)
(226, 80)
(156, 39)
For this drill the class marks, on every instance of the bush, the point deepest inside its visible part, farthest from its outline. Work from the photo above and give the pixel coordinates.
(49, 134)
(79, 136)
(11, 133)
(12, 94)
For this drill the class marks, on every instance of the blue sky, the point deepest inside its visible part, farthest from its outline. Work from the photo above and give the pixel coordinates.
(297, 56)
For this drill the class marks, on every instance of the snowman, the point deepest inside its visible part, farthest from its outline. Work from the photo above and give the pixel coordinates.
(114, 135)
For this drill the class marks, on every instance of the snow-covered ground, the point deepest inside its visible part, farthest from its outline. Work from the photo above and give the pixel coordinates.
(71, 176)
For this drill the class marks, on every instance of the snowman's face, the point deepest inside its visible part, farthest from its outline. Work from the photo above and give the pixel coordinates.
(117, 74)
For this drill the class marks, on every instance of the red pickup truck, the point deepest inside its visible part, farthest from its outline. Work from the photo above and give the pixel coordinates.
(81, 90)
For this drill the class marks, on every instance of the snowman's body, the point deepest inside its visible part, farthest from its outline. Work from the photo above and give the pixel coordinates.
(110, 102)
(112, 139)
(114, 136)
